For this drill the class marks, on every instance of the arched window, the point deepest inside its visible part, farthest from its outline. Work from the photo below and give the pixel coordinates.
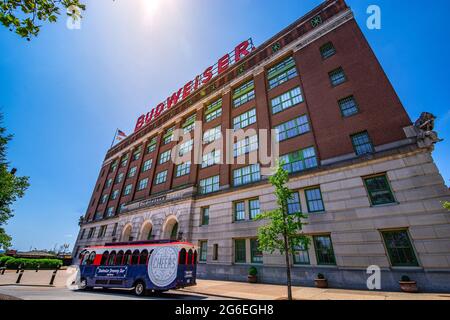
(127, 258)
(143, 258)
(174, 234)
(91, 258)
(135, 257)
(105, 257)
(195, 256)
(119, 258)
(182, 257)
(84, 256)
(190, 256)
(112, 258)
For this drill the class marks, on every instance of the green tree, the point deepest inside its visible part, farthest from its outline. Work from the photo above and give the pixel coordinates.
(284, 231)
(25, 17)
(12, 187)
(447, 205)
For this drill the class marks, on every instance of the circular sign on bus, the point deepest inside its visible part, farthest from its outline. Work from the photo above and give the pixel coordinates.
(163, 266)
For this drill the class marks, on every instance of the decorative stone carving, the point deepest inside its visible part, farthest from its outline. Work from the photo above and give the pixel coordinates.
(424, 126)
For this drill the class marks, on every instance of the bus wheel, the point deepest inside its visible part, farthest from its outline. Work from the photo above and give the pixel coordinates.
(139, 289)
(83, 284)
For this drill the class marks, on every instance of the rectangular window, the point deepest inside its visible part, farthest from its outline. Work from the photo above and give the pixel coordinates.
(213, 111)
(168, 136)
(244, 120)
(113, 166)
(102, 232)
(314, 200)
(324, 250)
(400, 250)
(300, 160)
(240, 251)
(189, 124)
(247, 175)
(254, 208)
(294, 205)
(115, 194)
(110, 212)
(209, 185)
(203, 251)
(212, 135)
(337, 77)
(246, 145)
(164, 157)
(108, 183)
(115, 229)
(124, 161)
(186, 147)
(256, 254)
(104, 199)
(379, 190)
(91, 233)
(293, 128)
(205, 216)
(239, 211)
(327, 50)
(281, 73)
(119, 178)
(137, 155)
(127, 190)
(147, 165)
(362, 143)
(211, 159)
(348, 106)
(301, 255)
(286, 100)
(215, 252)
(143, 184)
(244, 94)
(161, 177)
(152, 145)
(132, 172)
(82, 233)
(183, 169)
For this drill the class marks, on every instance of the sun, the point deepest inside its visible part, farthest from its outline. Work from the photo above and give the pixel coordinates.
(151, 6)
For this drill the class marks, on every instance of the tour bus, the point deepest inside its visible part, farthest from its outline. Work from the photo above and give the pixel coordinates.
(143, 266)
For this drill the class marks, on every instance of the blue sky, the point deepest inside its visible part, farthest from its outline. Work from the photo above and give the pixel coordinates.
(64, 94)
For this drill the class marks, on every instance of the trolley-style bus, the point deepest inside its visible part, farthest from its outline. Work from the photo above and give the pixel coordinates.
(142, 266)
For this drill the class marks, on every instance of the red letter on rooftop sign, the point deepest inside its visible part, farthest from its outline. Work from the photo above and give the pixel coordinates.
(187, 89)
(224, 63)
(207, 75)
(173, 100)
(139, 123)
(241, 50)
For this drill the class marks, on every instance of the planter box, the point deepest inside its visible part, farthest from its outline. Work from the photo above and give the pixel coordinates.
(321, 283)
(409, 286)
(252, 279)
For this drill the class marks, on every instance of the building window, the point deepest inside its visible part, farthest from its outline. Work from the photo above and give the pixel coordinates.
(293, 128)
(137, 155)
(102, 232)
(164, 157)
(82, 233)
(239, 211)
(247, 175)
(246, 145)
(301, 255)
(203, 251)
(362, 143)
(152, 145)
(205, 216)
(244, 120)
(91, 233)
(189, 124)
(186, 148)
(124, 161)
(147, 165)
(215, 252)
(281, 73)
(132, 172)
(115, 229)
(287, 100)
(143, 184)
(294, 205)
(127, 190)
(209, 185)
(244, 94)
(113, 166)
(348, 106)
(108, 183)
(300, 160)
(110, 212)
(168, 136)
(379, 190)
(400, 249)
(337, 77)
(324, 250)
(314, 200)
(119, 178)
(211, 159)
(115, 194)
(161, 177)
(240, 251)
(213, 111)
(256, 254)
(254, 208)
(183, 169)
(327, 50)
(104, 199)
(212, 134)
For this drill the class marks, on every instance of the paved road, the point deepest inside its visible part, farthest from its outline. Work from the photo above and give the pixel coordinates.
(46, 293)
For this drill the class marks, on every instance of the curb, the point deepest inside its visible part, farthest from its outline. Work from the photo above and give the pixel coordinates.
(5, 297)
(213, 295)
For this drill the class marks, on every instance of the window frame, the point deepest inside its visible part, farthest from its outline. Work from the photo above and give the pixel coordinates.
(389, 188)
(321, 263)
(308, 200)
(415, 263)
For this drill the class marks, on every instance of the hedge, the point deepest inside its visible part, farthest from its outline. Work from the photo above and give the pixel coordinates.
(14, 263)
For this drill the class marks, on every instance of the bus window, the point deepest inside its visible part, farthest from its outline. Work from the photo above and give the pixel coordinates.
(190, 256)
(105, 257)
(135, 257)
(127, 258)
(195, 257)
(91, 258)
(112, 258)
(182, 259)
(143, 258)
(84, 257)
(119, 258)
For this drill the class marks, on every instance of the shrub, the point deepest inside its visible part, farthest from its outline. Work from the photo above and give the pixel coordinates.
(4, 260)
(320, 276)
(252, 271)
(405, 279)
(14, 263)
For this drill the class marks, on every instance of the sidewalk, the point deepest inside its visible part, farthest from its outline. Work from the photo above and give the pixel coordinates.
(241, 290)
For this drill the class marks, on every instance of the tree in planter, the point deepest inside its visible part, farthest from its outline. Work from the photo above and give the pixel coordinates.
(447, 205)
(11, 188)
(284, 231)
